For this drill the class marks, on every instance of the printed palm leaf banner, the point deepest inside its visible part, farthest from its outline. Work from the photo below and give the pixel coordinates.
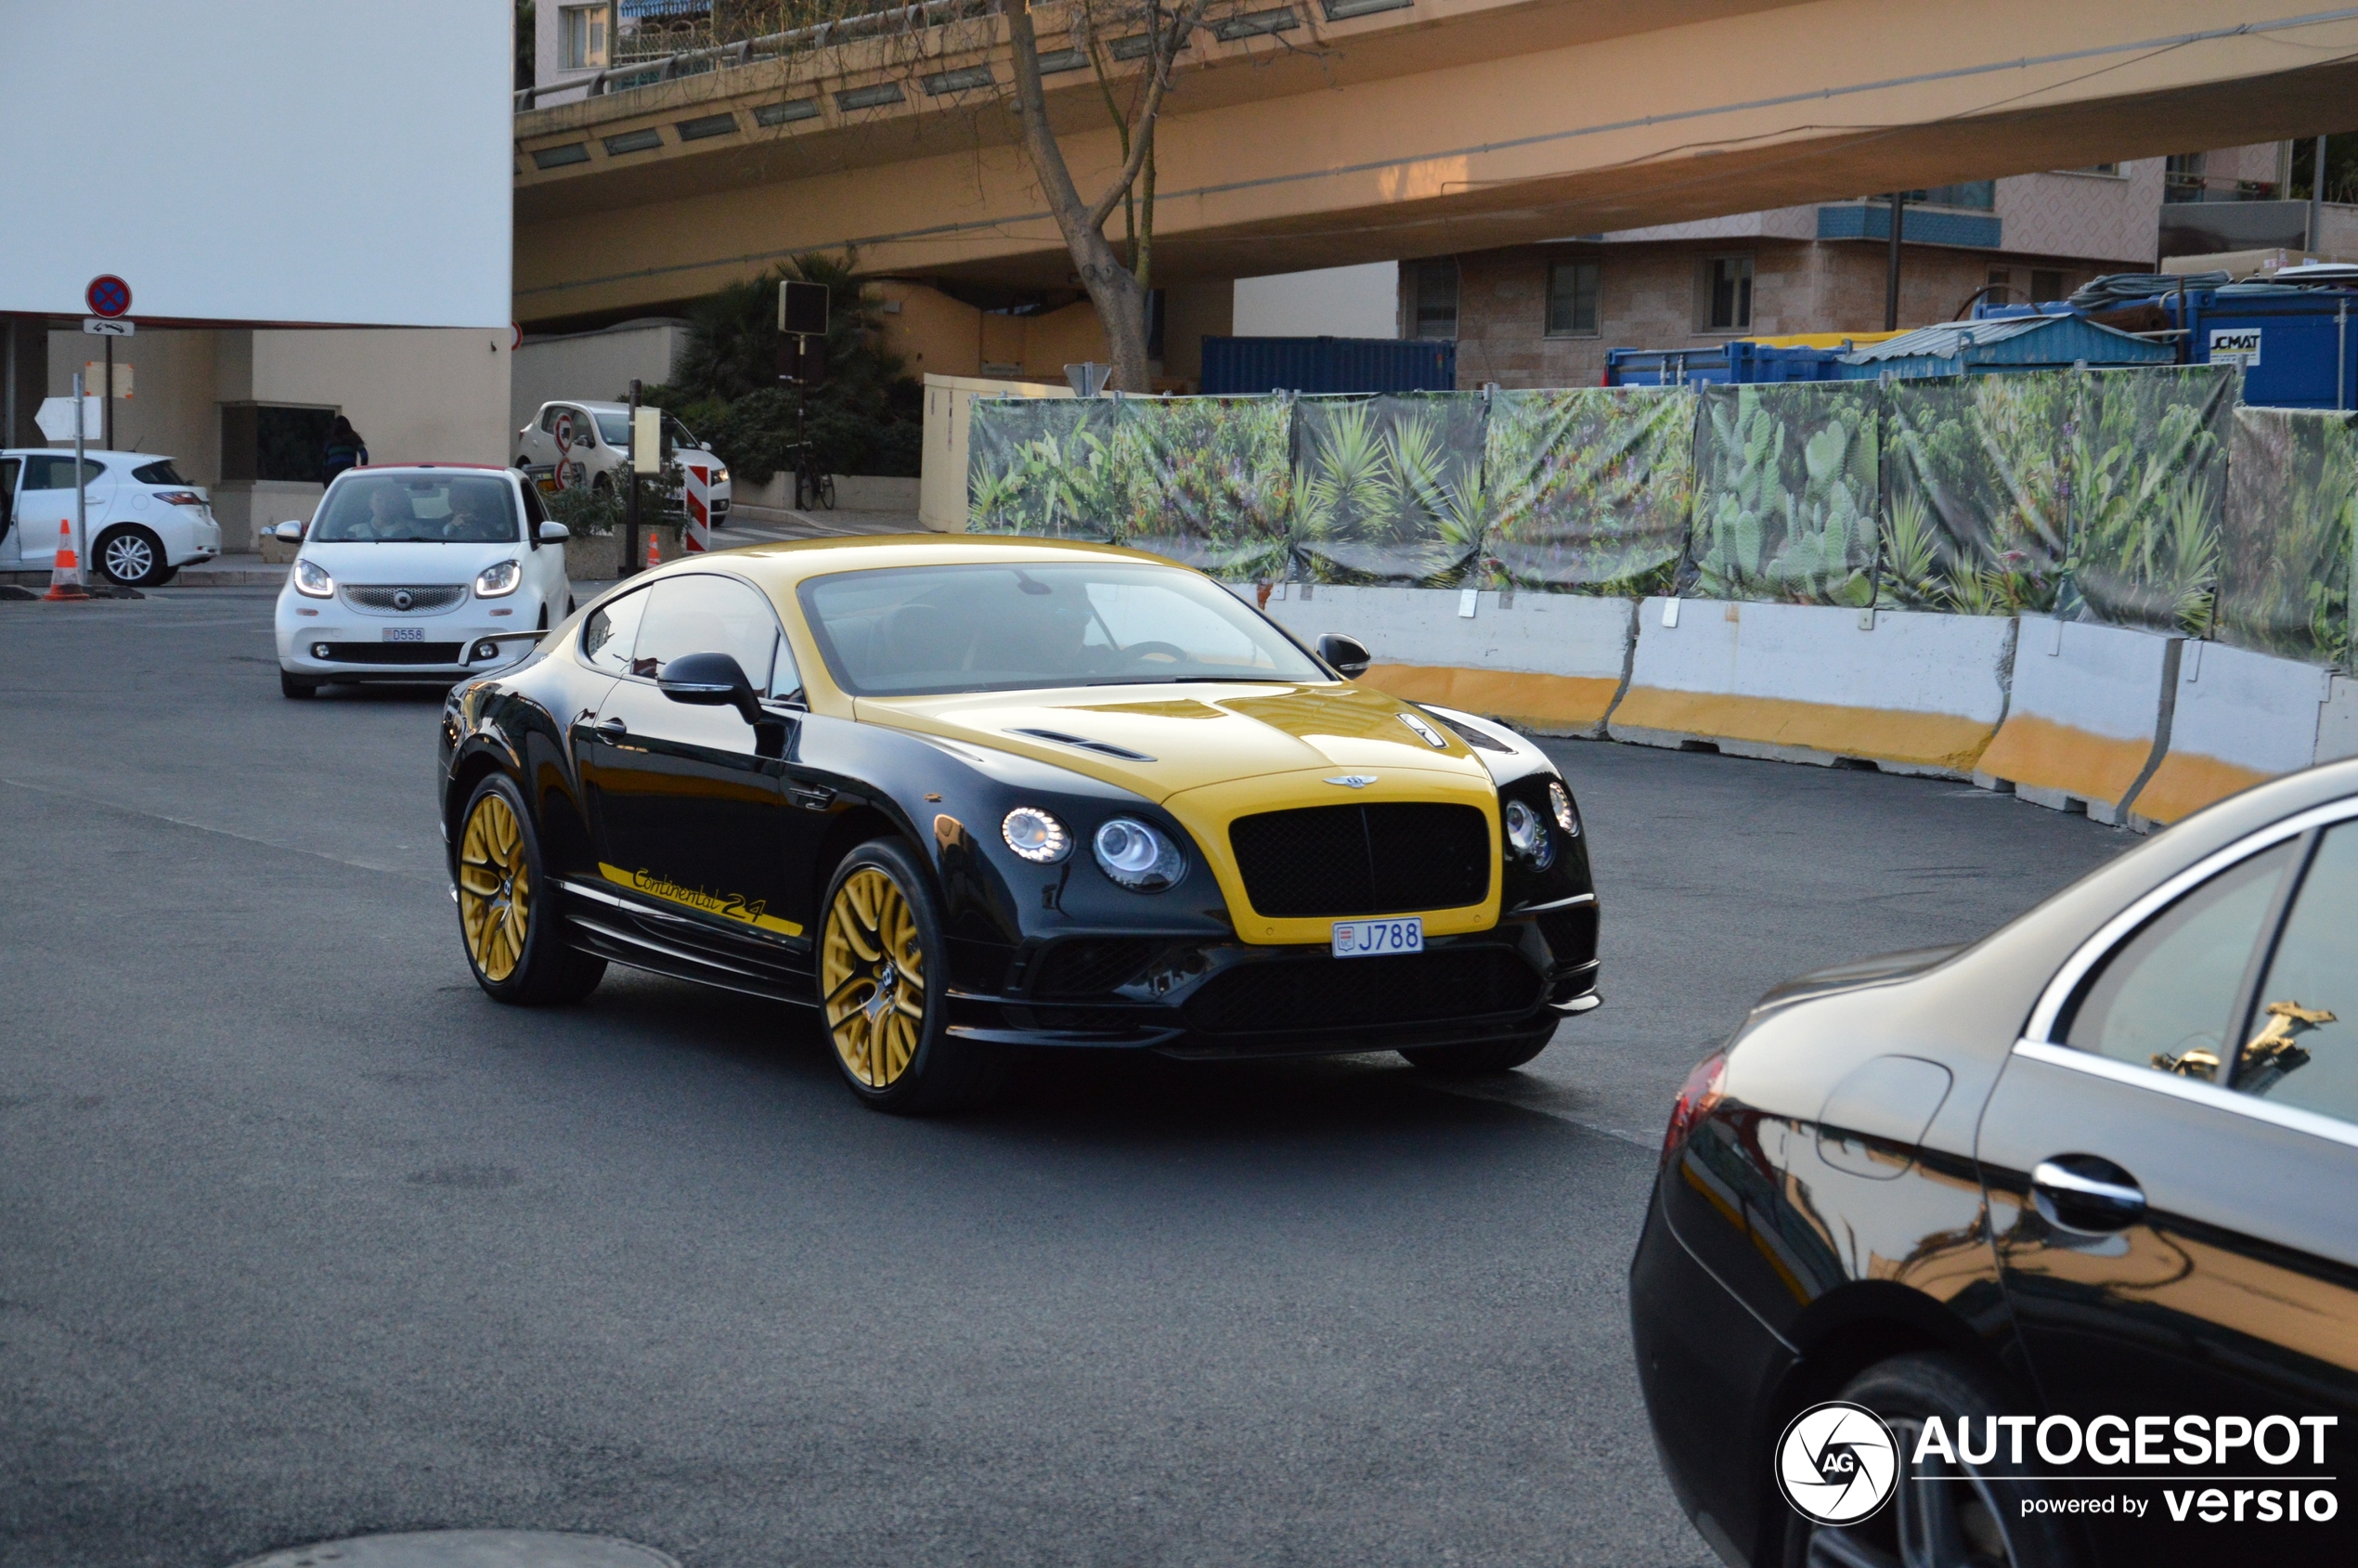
(2148, 483)
(1042, 465)
(1787, 490)
(1205, 480)
(1978, 505)
(1389, 489)
(1590, 487)
(2289, 529)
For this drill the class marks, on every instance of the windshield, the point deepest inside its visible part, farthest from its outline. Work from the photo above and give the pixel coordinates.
(916, 630)
(440, 508)
(615, 429)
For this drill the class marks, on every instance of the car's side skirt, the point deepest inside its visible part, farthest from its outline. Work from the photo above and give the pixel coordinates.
(624, 932)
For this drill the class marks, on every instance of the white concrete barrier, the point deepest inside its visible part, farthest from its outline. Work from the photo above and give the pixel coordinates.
(1909, 691)
(1547, 663)
(2088, 715)
(2239, 719)
(2338, 725)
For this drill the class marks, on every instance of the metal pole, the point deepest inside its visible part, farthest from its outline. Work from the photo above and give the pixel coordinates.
(2342, 355)
(1891, 270)
(2317, 200)
(107, 418)
(81, 490)
(631, 503)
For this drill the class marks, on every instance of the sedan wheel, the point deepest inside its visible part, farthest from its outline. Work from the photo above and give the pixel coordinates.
(515, 944)
(132, 556)
(882, 987)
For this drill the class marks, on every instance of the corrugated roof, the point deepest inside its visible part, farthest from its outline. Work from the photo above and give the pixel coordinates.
(1950, 339)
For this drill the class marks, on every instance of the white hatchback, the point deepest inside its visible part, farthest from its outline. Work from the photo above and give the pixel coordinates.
(425, 572)
(146, 521)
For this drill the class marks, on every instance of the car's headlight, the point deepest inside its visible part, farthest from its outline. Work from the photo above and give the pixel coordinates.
(1137, 856)
(500, 577)
(721, 476)
(1528, 834)
(1567, 814)
(311, 579)
(1036, 836)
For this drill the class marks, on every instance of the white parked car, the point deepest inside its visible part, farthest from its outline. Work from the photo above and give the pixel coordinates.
(598, 437)
(146, 521)
(420, 572)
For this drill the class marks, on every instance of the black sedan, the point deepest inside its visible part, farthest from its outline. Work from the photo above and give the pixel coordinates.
(968, 794)
(2069, 1215)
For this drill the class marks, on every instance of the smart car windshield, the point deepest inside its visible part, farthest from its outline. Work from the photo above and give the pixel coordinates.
(916, 630)
(417, 507)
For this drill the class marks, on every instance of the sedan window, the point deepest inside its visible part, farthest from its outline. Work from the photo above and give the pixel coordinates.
(2166, 997)
(2300, 1046)
(702, 615)
(47, 470)
(610, 631)
(158, 473)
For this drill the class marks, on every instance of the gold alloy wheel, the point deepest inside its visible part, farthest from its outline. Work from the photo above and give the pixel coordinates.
(495, 887)
(873, 972)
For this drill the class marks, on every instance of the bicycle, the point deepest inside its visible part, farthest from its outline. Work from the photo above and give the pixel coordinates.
(811, 490)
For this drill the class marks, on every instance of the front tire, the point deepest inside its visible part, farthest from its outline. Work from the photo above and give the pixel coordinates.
(296, 686)
(1482, 1057)
(1939, 1512)
(882, 982)
(514, 940)
(132, 556)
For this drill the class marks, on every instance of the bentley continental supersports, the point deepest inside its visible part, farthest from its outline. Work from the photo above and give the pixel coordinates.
(962, 795)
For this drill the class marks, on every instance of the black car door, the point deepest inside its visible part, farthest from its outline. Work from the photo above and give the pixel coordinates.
(2172, 1158)
(688, 802)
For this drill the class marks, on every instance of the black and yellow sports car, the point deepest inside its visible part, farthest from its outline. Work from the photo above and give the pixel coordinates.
(961, 794)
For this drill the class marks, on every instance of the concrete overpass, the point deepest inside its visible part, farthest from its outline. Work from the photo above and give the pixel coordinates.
(1327, 132)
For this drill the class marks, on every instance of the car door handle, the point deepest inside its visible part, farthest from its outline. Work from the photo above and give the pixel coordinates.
(612, 729)
(2082, 1192)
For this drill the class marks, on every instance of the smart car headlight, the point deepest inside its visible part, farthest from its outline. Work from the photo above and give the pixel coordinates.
(1567, 814)
(498, 580)
(1528, 834)
(1036, 836)
(311, 580)
(1137, 856)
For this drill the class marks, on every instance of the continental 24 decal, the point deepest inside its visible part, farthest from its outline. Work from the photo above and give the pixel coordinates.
(729, 906)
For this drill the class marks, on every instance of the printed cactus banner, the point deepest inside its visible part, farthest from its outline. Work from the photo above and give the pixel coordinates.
(2148, 482)
(2288, 533)
(1590, 487)
(1042, 465)
(1207, 481)
(1788, 486)
(1389, 489)
(1976, 511)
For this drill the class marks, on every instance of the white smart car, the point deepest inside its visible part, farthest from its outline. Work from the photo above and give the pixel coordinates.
(423, 572)
(146, 521)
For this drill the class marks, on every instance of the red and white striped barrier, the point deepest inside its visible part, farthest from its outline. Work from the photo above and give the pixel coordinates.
(697, 497)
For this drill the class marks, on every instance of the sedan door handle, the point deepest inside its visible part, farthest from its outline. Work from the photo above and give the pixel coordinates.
(2083, 1193)
(611, 728)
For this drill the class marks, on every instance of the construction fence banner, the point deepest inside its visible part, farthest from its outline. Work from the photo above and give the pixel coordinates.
(1389, 489)
(2148, 486)
(1043, 466)
(1788, 487)
(2288, 534)
(1590, 488)
(1207, 480)
(1977, 499)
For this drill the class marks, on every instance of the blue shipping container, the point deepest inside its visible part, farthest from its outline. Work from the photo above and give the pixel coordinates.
(1742, 361)
(2299, 348)
(1243, 367)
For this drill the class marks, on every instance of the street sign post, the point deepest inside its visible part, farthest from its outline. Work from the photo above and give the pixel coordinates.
(110, 299)
(108, 296)
(99, 325)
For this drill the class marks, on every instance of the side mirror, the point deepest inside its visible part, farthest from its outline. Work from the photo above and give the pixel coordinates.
(711, 680)
(291, 532)
(1348, 655)
(554, 532)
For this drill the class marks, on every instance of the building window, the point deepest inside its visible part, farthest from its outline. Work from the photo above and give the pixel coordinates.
(1979, 196)
(2047, 286)
(2182, 176)
(273, 443)
(582, 31)
(2095, 169)
(1724, 285)
(1436, 298)
(1572, 299)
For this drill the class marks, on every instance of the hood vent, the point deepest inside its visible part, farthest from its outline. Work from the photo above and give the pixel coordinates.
(1103, 748)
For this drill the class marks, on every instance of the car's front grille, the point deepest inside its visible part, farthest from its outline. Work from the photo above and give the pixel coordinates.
(1571, 933)
(395, 653)
(1381, 857)
(1407, 988)
(402, 598)
(1090, 966)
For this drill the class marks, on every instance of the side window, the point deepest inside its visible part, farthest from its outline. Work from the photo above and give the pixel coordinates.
(2300, 1044)
(610, 631)
(49, 471)
(701, 615)
(786, 681)
(548, 419)
(534, 513)
(2166, 997)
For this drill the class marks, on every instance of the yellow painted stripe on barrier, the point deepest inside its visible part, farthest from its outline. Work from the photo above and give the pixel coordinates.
(2186, 781)
(1936, 739)
(1522, 698)
(2030, 750)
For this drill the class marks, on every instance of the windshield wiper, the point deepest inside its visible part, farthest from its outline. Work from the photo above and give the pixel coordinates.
(1186, 679)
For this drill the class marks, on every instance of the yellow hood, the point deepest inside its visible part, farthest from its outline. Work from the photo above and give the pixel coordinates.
(1195, 733)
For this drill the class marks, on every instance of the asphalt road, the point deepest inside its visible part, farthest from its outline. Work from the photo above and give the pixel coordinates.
(301, 1237)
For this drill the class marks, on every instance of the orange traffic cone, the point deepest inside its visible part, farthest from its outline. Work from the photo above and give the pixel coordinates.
(65, 573)
(654, 556)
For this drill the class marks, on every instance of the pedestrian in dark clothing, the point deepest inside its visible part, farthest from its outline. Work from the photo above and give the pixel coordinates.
(345, 449)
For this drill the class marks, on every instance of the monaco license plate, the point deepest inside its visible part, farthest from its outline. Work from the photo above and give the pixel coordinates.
(1360, 939)
(405, 634)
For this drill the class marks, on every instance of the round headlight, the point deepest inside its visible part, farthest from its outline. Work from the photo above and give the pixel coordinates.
(1137, 856)
(1527, 836)
(1567, 816)
(1036, 836)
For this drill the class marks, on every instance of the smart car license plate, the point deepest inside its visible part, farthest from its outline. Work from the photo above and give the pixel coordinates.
(405, 634)
(1361, 939)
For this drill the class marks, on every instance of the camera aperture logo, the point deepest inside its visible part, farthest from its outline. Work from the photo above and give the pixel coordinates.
(1837, 1463)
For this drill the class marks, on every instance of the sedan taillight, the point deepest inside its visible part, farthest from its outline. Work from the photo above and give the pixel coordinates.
(1698, 1096)
(179, 497)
